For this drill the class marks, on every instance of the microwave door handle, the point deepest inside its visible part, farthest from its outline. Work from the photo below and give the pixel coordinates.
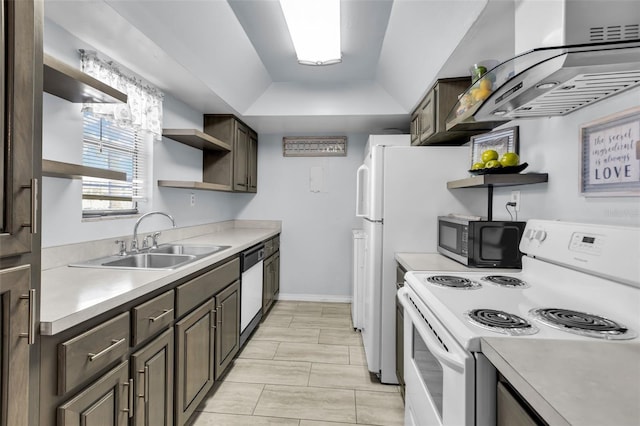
(448, 358)
(360, 191)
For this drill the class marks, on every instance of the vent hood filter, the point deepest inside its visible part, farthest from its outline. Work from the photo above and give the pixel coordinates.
(551, 81)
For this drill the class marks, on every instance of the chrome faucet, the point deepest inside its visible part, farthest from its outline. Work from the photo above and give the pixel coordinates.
(134, 242)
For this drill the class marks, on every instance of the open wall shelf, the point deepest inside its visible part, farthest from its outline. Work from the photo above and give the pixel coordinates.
(490, 181)
(196, 139)
(69, 83)
(194, 185)
(76, 171)
(484, 181)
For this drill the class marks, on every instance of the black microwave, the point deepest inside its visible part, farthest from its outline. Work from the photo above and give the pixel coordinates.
(481, 243)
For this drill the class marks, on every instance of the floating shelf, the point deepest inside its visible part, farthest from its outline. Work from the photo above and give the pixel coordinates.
(75, 171)
(69, 83)
(489, 180)
(194, 185)
(196, 139)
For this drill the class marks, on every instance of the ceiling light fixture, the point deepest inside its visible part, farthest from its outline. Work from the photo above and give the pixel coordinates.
(314, 26)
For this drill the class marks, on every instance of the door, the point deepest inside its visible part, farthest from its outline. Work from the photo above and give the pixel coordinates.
(240, 147)
(371, 327)
(427, 114)
(267, 285)
(276, 275)
(18, 183)
(152, 370)
(252, 162)
(105, 403)
(228, 326)
(17, 322)
(195, 337)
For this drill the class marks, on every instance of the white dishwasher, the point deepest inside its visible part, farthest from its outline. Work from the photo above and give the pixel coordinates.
(251, 264)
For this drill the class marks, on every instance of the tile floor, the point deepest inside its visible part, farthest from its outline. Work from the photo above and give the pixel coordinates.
(304, 366)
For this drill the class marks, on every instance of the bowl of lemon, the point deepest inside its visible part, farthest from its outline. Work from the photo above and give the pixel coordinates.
(493, 163)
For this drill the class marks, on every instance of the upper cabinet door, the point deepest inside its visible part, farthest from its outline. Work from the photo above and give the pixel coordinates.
(20, 108)
(240, 147)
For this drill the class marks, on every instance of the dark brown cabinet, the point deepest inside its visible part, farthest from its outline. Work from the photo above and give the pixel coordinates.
(195, 359)
(20, 174)
(152, 373)
(18, 330)
(271, 274)
(238, 168)
(107, 402)
(227, 327)
(428, 120)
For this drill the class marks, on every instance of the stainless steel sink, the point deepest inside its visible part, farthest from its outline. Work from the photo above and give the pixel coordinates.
(188, 249)
(163, 257)
(150, 261)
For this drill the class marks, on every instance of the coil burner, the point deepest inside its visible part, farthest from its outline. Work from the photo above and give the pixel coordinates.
(500, 322)
(582, 323)
(452, 281)
(505, 281)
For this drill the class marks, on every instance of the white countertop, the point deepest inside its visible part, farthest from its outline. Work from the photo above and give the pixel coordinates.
(437, 262)
(71, 295)
(570, 382)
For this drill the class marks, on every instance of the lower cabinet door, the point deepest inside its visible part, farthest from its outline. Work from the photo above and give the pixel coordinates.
(152, 370)
(228, 328)
(194, 374)
(267, 285)
(276, 275)
(16, 332)
(107, 402)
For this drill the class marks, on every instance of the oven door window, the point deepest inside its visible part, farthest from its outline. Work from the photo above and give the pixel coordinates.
(429, 369)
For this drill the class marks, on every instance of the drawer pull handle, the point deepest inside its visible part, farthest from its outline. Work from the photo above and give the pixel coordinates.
(146, 383)
(129, 409)
(30, 335)
(164, 313)
(114, 343)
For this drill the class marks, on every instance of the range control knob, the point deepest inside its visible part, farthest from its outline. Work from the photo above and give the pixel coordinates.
(540, 235)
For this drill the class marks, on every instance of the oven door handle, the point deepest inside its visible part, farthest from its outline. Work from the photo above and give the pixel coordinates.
(448, 358)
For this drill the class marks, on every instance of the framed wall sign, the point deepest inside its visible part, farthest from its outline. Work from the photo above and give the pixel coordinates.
(503, 140)
(610, 155)
(314, 146)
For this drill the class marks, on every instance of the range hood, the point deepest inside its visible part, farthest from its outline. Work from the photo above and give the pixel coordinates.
(602, 61)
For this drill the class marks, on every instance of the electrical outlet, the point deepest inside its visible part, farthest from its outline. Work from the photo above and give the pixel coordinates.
(515, 198)
(192, 199)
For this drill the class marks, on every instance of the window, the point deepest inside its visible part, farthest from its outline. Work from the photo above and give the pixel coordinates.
(118, 137)
(109, 146)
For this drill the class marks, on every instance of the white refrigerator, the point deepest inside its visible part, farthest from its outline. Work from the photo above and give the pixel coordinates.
(401, 190)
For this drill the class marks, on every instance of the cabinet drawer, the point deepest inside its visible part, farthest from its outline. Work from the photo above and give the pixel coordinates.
(89, 353)
(151, 317)
(192, 293)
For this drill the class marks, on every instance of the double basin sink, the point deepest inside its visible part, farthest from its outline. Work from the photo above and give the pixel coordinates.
(163, 257)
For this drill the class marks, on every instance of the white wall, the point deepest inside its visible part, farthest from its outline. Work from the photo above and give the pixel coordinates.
(552, 145)
(315, 242)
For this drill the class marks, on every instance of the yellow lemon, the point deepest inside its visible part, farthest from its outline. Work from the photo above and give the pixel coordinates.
(509, 159)
(485, 84)
(477, 166)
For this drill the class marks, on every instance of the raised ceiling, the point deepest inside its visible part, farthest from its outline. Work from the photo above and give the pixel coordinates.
(235, 56)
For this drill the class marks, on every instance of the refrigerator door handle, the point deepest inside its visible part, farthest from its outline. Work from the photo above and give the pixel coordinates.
(360, 191)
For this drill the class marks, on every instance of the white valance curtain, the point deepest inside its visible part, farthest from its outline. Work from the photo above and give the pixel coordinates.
(143, 110)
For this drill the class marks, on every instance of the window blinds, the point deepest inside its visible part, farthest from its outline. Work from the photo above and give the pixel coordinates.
(108, 146)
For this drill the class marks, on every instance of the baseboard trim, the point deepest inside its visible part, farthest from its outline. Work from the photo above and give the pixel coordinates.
(314, 298)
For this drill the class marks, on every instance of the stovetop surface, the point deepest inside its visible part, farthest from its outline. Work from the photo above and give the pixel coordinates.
(547, 286)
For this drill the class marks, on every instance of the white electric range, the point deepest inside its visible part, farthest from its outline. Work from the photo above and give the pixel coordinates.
(578, 281)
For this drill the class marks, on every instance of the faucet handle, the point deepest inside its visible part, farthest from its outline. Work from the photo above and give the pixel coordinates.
(122, 247)
(145, 241)
(155, 238)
